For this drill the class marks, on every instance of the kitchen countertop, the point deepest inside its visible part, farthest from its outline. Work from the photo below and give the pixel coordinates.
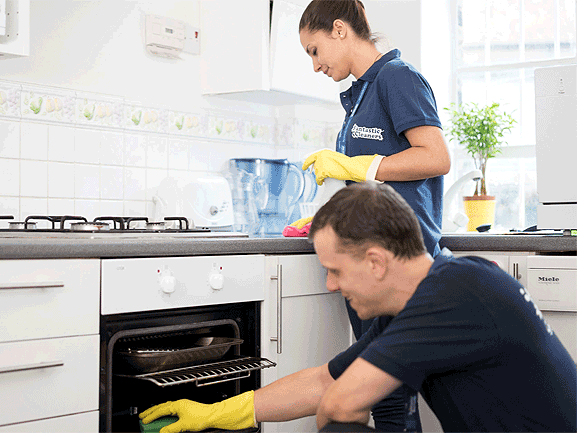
(38, 248)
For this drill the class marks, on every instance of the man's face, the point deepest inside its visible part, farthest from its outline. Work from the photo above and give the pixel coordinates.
(355, 278)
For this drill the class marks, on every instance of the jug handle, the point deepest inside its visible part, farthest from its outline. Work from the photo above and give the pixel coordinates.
(301, 178)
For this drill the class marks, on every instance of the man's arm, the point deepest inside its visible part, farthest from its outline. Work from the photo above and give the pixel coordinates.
(350, 397)
(294, 396)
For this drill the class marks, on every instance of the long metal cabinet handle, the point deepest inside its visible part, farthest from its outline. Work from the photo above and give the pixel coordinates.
(278, 338)
(40, 285)
(37, 366)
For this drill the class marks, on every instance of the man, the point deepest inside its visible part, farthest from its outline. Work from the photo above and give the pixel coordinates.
(461, 332)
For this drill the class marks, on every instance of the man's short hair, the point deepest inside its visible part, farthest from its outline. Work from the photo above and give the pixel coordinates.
(367, 214)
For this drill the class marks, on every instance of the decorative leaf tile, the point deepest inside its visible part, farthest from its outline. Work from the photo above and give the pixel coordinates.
(47, 104)
(10, 99)
(98, 110)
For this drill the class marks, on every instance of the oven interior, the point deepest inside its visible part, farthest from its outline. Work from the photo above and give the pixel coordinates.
(205, 354)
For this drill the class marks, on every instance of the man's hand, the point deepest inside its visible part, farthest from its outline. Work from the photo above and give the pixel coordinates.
(328, 163)
(232, 414)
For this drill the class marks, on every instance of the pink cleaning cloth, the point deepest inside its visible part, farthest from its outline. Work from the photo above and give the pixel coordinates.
(293, 232)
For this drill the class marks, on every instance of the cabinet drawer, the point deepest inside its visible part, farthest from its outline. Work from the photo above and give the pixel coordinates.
(48, 298)
(79, 423)
(48, 378)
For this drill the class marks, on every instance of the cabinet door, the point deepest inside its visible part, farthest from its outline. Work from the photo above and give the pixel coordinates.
(234, 46)
(291, 68)
(314, 324)
(79, 423)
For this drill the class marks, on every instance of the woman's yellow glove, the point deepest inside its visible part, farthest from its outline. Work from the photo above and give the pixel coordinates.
(300, 223)
(235, 413)
(328, 163)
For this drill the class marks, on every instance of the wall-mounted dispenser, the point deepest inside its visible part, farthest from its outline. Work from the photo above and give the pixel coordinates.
(167, 37)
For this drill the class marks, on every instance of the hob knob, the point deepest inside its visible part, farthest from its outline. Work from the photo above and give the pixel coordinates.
(167, 281)
(216, 281)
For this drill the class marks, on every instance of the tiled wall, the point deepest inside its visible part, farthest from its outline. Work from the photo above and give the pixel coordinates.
(67, 153)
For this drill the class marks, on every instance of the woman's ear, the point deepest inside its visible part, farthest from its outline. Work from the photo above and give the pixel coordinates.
(339, 29)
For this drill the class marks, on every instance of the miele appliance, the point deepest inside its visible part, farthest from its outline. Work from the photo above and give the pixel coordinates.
(190, 330)
(556, 129)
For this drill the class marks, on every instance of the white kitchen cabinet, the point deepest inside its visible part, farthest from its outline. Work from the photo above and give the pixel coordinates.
(307, 328)
(252, 48)
(14, 28)
(49, 344)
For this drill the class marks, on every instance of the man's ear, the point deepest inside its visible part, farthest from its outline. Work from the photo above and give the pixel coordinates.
(379, 261)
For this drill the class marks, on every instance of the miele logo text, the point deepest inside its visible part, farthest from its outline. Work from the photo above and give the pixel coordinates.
(548, 279)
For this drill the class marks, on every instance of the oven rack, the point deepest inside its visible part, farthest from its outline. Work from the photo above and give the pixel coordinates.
(207, 374)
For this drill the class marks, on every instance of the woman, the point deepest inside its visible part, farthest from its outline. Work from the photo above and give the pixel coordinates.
(391, 133)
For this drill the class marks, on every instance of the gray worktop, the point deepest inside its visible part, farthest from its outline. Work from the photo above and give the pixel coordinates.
(37, 248)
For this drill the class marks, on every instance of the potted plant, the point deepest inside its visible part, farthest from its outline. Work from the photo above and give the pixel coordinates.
(480, 129)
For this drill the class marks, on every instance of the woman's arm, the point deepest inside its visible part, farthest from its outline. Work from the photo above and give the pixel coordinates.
(427, 157)
(291, 397)
(350, 398)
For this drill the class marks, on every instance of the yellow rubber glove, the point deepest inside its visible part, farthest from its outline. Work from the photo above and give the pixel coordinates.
(328, 163)
(300, 223)
(235, 413)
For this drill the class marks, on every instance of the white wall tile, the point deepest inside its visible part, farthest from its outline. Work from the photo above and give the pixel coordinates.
(157, 152)
(61, 143)
(200, 155)
(111, 183)
(34, 141)
(178, 154)
(112, 148)
(134, 183)
(86, 181)
(134, 208)
(9, 206)
(61, 180)
(135, 150)
(112, 208)
(153, 178)
(87, 146)
(33, 206)
(9, 177)
(89, 209)
(61, 206)
(33, 178)
(9, 139)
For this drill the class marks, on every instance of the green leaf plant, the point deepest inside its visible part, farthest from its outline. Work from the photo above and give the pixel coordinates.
(481, 130)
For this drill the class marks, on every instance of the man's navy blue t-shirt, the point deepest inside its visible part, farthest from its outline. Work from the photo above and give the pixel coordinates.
(474, 344)
(397, 98)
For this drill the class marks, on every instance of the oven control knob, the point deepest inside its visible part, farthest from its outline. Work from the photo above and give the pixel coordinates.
(216, 280)
(166, 281)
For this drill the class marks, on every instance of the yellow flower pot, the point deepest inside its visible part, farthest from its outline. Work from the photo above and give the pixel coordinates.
(480, 209)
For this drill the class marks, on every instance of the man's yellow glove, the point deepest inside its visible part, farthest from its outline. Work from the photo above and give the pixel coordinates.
(328, 163)
(235, 413)
(300, 223)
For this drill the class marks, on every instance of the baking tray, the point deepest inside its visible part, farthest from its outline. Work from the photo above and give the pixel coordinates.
(150, 359)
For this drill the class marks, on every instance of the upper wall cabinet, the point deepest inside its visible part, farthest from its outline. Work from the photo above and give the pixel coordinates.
(14, 28)
(252, 48)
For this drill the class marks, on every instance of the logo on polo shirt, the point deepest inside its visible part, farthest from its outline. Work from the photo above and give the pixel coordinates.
(370, 133)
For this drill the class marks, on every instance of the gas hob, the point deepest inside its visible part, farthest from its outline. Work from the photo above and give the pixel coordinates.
(107, 227)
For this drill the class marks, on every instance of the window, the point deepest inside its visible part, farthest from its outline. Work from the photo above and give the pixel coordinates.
(498, 45)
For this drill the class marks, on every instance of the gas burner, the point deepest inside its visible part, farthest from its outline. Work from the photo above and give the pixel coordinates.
(105, 224)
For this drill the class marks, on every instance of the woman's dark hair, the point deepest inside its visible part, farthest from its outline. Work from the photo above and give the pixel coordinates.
(367, 214)
(321, 14)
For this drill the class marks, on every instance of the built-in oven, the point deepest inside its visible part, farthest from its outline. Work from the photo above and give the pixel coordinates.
(177, 327)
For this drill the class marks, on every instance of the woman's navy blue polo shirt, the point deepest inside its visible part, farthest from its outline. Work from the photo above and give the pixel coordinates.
(397, 98)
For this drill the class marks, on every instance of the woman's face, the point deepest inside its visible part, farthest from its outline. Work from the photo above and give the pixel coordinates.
(327, 51)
